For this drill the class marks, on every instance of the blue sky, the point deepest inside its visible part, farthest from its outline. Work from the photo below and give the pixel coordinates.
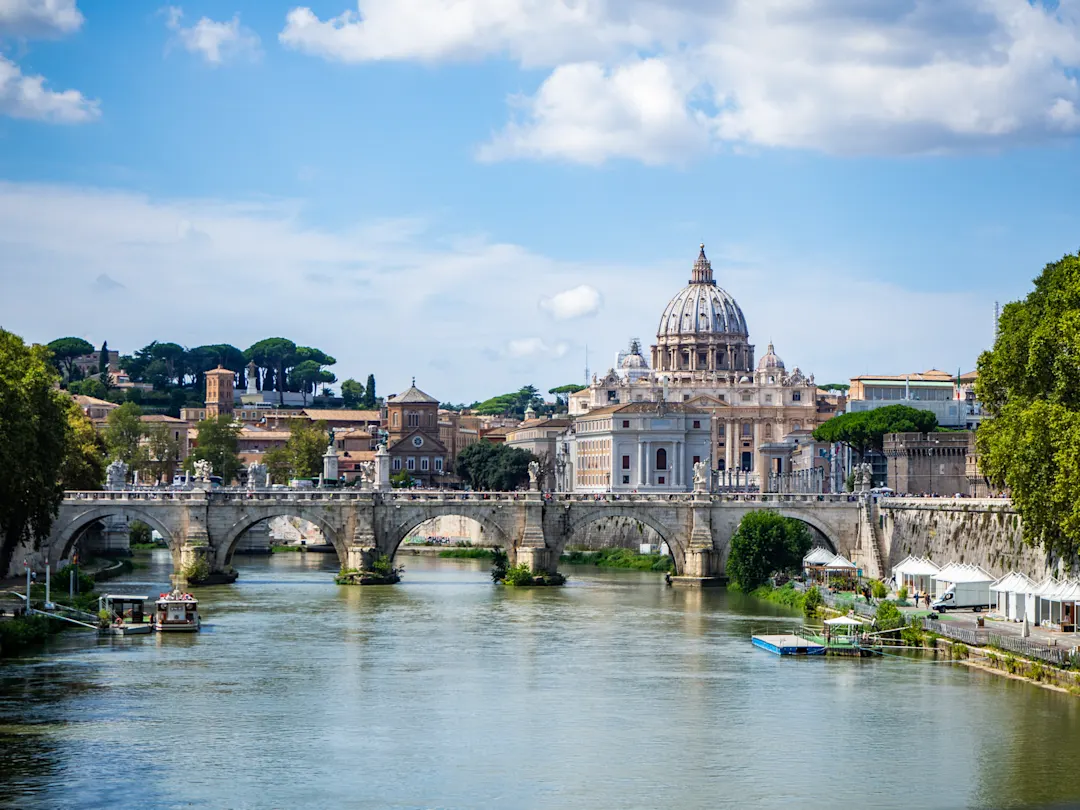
(472, 191)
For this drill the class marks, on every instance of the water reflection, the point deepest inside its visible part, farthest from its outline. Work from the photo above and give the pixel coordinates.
(445, 691)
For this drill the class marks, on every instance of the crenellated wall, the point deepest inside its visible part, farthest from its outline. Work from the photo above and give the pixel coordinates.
(967, 530)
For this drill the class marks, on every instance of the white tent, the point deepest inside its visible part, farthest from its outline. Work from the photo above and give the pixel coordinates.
(817, 556)
(1015, 594)
(955, 573)
(915, 573)
(840, 563)
(844, 621)
(1057, 603)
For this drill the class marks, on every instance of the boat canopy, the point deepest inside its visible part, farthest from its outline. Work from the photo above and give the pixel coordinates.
(844, 621)
(962, 572)
(916, 567)
(125, 597)
(1014, 582)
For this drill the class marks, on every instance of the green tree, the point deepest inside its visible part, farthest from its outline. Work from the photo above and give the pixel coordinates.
(35, 436)
(494, 467)
(273, 353)
(765, 543)
(90, 387)
(401, 480)
(124, 432)
(305, 447)
(1029, 384)
(353, 393)
(65, 351)
(512, 404)
(888, 616)
(103, 362)
(140, 534)
(863, 431)
(562, 395)
(370, 400)
(306, 376)
(163, 452)
(84, 460)
(278, 464)
(217, 443)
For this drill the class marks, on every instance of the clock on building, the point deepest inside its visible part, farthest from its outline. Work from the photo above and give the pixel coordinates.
(418, 441)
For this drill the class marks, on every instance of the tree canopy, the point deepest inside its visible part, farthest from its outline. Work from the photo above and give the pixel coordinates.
(765, 543)
(1029, 384)
(493, 467)
(512, 404)
(66, 350)
(864, 430)
(218, 444)
(84, 461)
(35, 441)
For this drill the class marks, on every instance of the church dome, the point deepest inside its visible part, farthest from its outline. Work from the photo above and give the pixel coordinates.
(702, 307)
(770, 360)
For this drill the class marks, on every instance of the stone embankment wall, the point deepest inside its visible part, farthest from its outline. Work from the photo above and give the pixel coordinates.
(966, 530)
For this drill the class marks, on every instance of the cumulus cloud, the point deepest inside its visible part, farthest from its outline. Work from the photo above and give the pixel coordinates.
(425, 288)
(23, 96)
(573, 303)
(39, 18)
(660, 81)
(216, 42)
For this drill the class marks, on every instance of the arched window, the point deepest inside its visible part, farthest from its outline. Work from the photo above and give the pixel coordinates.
(661, 459)
(414, 419)
(395, 418)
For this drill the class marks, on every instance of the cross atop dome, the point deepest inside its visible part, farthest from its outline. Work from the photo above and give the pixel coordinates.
(702, 272)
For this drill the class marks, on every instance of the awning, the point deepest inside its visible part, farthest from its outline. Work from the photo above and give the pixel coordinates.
(840, 562)
(962, 572)
(1014, 582)
(915, 567)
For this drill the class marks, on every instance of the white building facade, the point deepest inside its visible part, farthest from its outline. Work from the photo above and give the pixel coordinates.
(703, 359)
(640, 447)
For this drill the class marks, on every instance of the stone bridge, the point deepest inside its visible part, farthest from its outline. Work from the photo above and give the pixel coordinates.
(532, 527)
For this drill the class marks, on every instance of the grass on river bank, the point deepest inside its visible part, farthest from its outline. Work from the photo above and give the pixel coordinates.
(466, 554)
(619, 558)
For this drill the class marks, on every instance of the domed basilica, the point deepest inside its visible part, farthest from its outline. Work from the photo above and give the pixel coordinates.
(703, 358)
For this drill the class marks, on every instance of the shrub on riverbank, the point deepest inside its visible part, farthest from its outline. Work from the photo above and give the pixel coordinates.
(619, 558)
(812, 601)
(18, 634)
(786, 595)
(888, 617)
(286, 549)
(148, 546)
(878, 589)
(466, 554)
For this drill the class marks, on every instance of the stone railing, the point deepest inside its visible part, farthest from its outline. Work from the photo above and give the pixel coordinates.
(948, 504)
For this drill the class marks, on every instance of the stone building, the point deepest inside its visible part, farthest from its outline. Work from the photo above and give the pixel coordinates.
(930, 463)
(456, 433)
(703, 358)
(220, 396)
(540, 437)
(640, 447)
(412, 425)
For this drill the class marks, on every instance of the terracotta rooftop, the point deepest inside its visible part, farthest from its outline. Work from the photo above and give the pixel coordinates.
(160, 417)
(86, 401)
(413, 394)
(342, 415)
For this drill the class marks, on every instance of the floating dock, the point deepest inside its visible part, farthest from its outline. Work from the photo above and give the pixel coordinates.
(788, 644)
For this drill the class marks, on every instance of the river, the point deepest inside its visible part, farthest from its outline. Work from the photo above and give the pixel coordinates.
(447, 692)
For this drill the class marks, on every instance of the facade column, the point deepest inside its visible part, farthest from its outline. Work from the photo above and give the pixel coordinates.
(641, 463)
(676, 472)
(729, 443)
(648, 462)
(756, 457)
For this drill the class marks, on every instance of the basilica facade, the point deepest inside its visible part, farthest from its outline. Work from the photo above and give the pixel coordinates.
(703, 359)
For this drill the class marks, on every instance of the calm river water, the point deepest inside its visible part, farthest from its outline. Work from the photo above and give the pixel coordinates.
(447, 692)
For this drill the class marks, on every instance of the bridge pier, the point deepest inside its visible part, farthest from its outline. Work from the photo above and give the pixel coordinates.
(702, 562)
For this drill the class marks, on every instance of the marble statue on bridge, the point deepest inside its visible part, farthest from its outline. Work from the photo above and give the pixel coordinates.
(702, 476)
(203, 470)
(534, 475)
(116, 475)
(258, 475)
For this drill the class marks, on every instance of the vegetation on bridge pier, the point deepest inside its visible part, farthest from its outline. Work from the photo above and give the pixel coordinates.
(382, 572)
(520, 575)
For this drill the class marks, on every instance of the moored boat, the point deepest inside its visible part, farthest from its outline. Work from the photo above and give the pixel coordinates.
(176, 612)
(125, 614)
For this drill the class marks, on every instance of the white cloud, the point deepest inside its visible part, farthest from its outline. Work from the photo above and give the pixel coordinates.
(216, 42)
(39, 18)
(662, 80)
(404, 282)
(23, 96)
(535, 347)
(577, 302)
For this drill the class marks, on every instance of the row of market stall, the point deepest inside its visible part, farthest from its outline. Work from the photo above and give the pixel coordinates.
(1051, 603)
(823, 567)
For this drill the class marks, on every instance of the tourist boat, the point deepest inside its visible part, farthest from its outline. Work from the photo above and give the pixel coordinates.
(127, 615)
(176, 612)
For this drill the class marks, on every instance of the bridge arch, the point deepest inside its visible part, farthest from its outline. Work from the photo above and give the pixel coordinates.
(67, 534)
(826, 532)
(589, 515)
(410, 519)
(235, 532)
